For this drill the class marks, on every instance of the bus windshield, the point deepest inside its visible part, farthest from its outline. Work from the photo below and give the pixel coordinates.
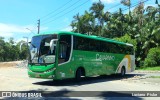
(41, 51)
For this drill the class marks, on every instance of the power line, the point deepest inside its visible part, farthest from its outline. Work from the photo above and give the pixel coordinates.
(108, 8)
(52, 12)
(81, 5)
(73, 9)
(135, 5)
(62, 10)
(74, 4)
(114, 6)
(66, 12)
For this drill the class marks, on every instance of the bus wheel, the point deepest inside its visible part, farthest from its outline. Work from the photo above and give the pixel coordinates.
(123, 71)
(78, 74)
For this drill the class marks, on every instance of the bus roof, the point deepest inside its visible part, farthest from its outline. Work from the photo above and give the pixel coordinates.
(84, 35)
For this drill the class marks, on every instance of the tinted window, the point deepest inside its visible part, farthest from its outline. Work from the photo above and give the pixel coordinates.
(81, 43)
(87, 44)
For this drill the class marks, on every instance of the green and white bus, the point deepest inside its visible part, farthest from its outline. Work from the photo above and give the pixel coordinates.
(62, 55)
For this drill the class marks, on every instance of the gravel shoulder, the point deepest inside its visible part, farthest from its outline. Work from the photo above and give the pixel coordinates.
(146, 77)
(15, 73)
(15, 78)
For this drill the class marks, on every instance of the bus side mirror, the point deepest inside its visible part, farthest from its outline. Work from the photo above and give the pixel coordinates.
(53, 43)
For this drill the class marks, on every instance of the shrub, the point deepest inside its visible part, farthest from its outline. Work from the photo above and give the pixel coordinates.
(153, 58)
(127, 39)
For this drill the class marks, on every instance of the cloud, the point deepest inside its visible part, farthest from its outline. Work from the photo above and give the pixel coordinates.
(66, 20)
(24, 39)
(9, 30)
(6, 34)
(68, 28)
(106, 1)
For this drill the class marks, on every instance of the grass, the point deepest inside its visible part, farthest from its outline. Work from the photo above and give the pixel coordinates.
(157, 68)
(154, 77)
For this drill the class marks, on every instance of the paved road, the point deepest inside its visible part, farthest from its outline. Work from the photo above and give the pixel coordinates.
(16, 79)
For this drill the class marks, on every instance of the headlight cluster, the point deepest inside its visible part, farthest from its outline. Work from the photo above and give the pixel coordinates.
(29, 70)
(50, 70)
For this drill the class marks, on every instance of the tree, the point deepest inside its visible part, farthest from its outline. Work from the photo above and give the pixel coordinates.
(9, 51)
(97, 10)
(2, 48)
(127, 3)
(23, 54)
(139, 24)
(127, 39)
(153, 58)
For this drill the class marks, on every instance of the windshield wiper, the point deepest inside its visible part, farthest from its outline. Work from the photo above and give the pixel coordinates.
(42, 58)
(35, 55)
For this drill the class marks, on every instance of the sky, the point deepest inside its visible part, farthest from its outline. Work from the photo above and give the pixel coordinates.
(19, 18)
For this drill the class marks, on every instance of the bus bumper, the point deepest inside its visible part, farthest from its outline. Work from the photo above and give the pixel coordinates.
(44, 75)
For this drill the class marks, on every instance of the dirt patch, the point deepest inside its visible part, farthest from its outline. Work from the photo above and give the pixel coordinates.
(144, 77)
(9, 64)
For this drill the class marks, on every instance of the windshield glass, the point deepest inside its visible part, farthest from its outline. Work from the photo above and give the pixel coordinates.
(41, 50)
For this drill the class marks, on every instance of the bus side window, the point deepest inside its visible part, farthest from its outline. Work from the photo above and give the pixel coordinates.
(64, 48)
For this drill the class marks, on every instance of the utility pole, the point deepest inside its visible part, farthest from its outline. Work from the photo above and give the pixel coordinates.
(38, 26)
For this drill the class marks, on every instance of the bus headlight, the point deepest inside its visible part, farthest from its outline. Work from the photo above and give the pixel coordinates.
(29, 70)
(52, 69)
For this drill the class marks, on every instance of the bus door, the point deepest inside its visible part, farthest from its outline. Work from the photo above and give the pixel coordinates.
(64, 55)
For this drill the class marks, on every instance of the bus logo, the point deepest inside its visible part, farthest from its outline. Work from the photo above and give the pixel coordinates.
(104, 57)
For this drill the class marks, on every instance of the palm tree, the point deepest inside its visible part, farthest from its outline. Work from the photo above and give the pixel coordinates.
(76, 23)
(148, 28)
(127, 3)
(97, 10)
(84, 23)
(153, 29)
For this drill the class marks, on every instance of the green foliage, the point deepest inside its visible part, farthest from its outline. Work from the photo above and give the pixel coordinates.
(153, 57)
(157, 68)
(9, 51)
(127, 39)
(141, 24)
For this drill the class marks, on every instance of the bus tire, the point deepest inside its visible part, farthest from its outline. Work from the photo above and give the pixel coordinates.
(123, 71)
(78, 74)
